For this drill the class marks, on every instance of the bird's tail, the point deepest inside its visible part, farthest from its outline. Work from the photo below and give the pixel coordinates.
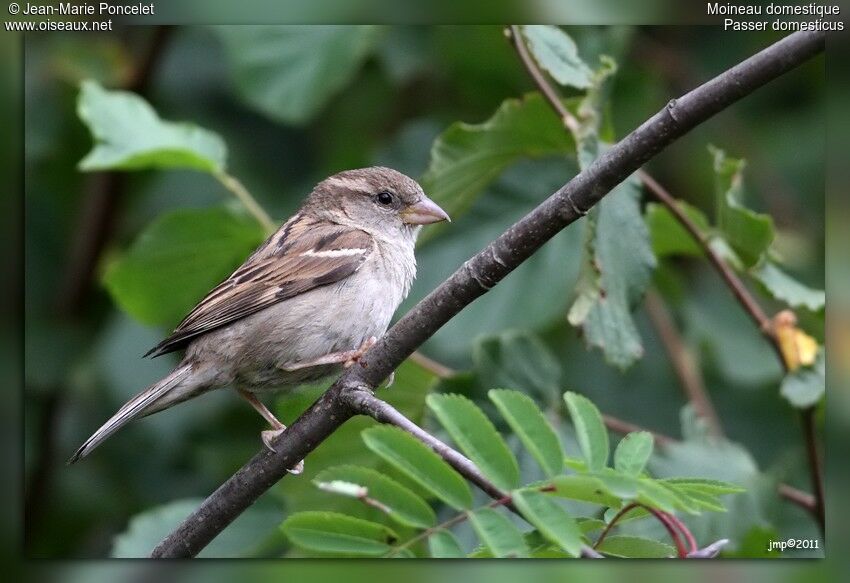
(135, 407)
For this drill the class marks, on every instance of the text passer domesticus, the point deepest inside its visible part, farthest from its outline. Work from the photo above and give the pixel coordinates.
(312, 298)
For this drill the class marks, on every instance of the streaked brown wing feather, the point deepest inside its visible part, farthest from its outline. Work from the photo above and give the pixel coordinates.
(302, 255)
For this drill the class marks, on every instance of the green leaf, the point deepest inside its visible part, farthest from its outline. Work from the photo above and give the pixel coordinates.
(635, 547)
(420, 464)
(586, 489)
(699, 500)
(616, 269)
(556, 52)
(785, 288)
(590, 430)
(443, 545)
(177, 259)
(550, 519)
(477, 438)
(749, 233)
(708, 486)
(620, 485)
(337, 534)
(129, 135)
(656, 494)
(528, 423)
(633, 451)
(702, 492)
(498, 533)
(239, 539)
(291, 72)
(402, 505)
(588, 525)
(805, 387)
(466, 157)
(667, 234)
(517, 360)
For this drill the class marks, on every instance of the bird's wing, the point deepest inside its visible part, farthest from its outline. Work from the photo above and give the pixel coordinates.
(304, 254)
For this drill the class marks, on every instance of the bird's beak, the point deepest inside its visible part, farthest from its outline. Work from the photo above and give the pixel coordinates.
(424, 212)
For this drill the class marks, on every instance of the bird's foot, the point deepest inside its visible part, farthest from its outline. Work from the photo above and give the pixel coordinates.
(356, 355)
(269, 436)
(390, 380)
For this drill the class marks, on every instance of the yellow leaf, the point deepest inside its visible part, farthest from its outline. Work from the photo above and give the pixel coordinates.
(798, 348)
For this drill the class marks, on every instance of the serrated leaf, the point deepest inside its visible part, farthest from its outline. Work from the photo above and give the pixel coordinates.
(443, 545)
(550, 519)
(420, 464)
(590, 430)
(805, 387)
(556, 52)
(713, 487)
(498, 533)
(291, 72)
(785, 288)
(749, 233)
(517, 360)
(338, 534)
(635, 547)
(616, 269)
(633, 451)
(129, 135)
(467, 157)
(584, 488)
(177, 259)
(529, 424)
(655, 494)
(477, 438)
(403, 505)
(701, 500)
(668, 236)
(239, 539)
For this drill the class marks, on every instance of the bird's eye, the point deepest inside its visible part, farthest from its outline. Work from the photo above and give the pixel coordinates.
(384, 198)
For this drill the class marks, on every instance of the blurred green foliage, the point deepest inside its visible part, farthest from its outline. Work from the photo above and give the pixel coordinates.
(449, 104)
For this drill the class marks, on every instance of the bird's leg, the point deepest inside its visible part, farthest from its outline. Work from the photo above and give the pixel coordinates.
(269, 435)
(346, 357)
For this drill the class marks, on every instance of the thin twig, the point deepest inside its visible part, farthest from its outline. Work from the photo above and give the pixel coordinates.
(365, 402)
(664, 519)
(739, 290)
(438, 369)
(248, 201)
(815, 470)
(683, 362)
(570, 122)
(734, 283)
(673, 525)
(453, 521)
(477, 276)
(623, 427)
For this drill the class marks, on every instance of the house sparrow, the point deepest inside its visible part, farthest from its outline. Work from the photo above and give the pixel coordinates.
(310, 300)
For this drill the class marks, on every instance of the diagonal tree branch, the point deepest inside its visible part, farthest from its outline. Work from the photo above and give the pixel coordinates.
(475, 277)
(697, 393)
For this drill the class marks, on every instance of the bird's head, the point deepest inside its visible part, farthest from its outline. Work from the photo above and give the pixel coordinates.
(377, 200)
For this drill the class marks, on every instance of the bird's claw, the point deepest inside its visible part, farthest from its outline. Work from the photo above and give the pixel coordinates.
(268, 436)
(358, 354)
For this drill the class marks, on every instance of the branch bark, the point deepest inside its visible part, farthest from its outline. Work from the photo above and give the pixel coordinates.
(475, 277)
